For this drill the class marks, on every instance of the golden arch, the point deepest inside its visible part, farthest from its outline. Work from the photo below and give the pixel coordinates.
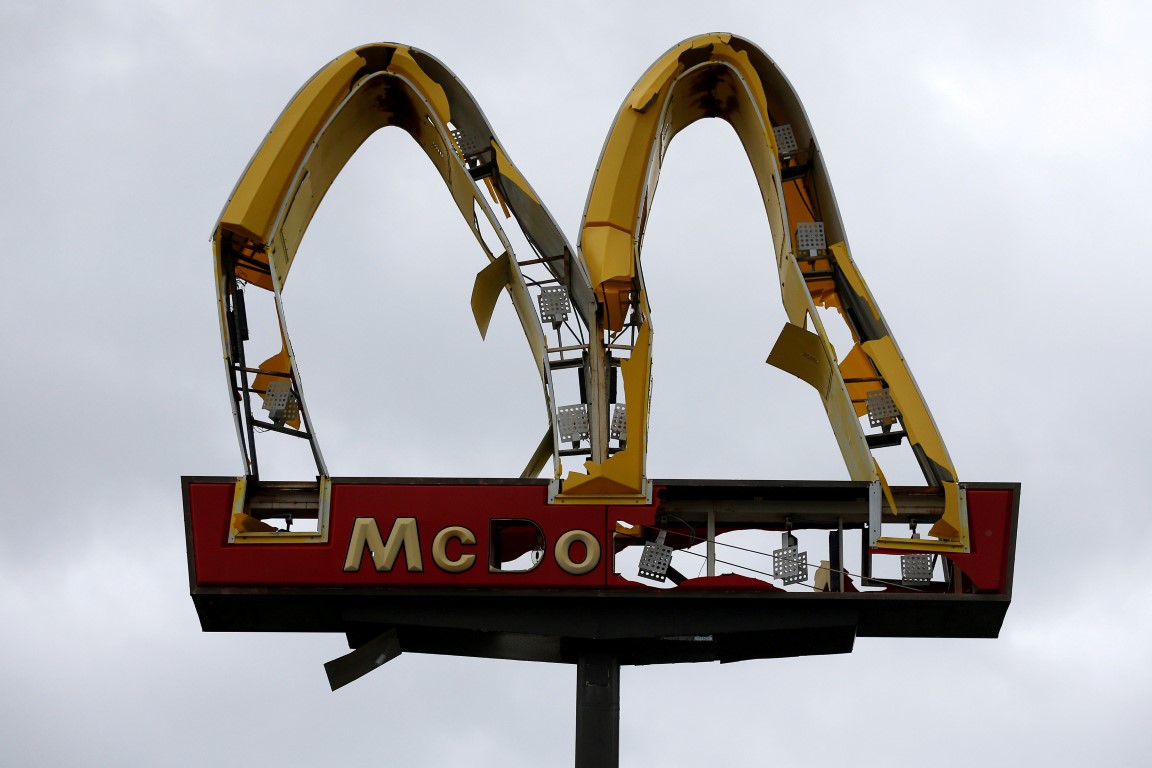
(264, 220)
(708, 76)
(730, 78)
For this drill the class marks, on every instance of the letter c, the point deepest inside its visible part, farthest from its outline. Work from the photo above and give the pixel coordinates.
(440, 549)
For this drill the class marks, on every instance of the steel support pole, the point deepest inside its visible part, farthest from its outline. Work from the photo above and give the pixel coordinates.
(597, 710)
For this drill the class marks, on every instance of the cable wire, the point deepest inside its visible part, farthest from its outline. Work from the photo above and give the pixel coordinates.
(843, 571)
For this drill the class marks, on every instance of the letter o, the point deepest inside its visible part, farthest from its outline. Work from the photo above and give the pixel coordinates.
(564, 545)
(440, 549)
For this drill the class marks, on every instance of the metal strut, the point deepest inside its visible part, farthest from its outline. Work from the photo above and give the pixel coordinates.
(597, 710)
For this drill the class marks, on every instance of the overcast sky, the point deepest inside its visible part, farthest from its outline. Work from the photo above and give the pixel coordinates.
(990, 161)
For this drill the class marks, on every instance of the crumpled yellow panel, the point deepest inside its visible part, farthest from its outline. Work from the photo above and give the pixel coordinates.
(490, 283)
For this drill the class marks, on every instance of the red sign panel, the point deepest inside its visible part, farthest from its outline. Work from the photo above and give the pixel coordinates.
(493, 536)
(487, 535)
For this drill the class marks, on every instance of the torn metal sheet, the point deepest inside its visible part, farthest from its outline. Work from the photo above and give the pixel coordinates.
(490, 283)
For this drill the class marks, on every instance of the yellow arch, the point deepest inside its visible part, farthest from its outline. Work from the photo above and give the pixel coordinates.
(264, 220)
(724, 76)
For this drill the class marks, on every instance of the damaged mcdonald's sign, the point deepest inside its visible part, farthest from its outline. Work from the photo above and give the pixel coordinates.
(581, 557)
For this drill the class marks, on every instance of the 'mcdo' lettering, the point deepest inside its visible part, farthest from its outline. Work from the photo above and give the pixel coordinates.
(405, 536)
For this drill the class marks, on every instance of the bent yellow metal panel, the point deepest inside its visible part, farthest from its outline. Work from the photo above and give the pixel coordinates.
(802, 354)
(490, 283)
(256, 201)
(953, 524)
(809, 357)
(888, 495)
(608, 253)
(652, 82)
(620, 173)
(860, 376)
(244, 523)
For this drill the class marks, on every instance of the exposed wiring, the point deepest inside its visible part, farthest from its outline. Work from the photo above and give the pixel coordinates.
(578, 332)
(844, 571)
(687, 525)
(743, 567)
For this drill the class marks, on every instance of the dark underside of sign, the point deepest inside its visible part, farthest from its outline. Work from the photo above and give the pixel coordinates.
(640, 629)
(419, 562)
